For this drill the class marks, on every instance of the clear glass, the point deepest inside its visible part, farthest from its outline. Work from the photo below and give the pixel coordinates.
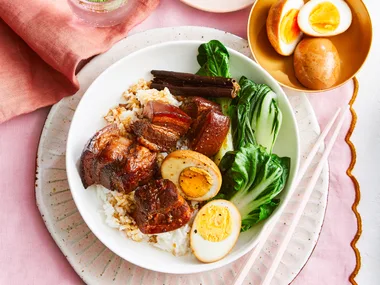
(101, 13)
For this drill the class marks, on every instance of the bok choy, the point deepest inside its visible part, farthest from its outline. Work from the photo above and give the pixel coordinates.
(213, 58)
(258, 116)
(252, 178)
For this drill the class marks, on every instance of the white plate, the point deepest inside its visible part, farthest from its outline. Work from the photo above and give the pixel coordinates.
(106, 92)
(219, 6)
(90, 258)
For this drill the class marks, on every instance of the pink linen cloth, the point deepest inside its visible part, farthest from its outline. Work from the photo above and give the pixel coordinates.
(30, 256)
(42, 46)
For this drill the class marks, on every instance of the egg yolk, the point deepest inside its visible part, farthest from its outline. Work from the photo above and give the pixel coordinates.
(324, 18)
(289, 27)
(215, 223)
(195, 182)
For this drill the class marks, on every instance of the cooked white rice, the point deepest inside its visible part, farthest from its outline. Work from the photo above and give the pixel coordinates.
(144, 96)
(117, 209)
(136, 97)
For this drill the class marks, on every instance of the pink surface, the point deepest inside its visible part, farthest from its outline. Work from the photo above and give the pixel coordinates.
(30, 256)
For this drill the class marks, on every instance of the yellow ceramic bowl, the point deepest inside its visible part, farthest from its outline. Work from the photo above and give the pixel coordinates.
(353, 45)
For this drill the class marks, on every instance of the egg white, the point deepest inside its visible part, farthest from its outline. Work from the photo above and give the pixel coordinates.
(289, 48)
(344, 12)
(208, 251)
(273, 24)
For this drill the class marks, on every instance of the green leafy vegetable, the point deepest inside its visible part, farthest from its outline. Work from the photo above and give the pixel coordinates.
(257, 114)
(259, 214)
(252, 178)
(213, 58)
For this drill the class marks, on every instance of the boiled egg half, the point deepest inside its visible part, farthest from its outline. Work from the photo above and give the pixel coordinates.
(323, 18)
(196, 176)
(215, 230)
(282, 26)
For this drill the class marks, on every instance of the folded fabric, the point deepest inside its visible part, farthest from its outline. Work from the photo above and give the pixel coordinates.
(43, 45)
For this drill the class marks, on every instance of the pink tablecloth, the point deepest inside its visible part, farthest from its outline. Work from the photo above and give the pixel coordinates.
(30, 256)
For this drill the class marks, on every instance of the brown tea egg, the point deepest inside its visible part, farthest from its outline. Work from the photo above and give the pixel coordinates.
(282, 26)
(196, 176)
(316, 63)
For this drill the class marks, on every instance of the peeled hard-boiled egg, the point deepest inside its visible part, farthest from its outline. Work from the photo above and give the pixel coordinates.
(196, 176)
(322, 18)
(282, 27)
(215, 230)
(316, 63)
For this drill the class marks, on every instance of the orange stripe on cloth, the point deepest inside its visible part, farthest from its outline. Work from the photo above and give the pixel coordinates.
(355, 182)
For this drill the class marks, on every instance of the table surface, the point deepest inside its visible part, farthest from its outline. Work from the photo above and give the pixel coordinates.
(20, 135)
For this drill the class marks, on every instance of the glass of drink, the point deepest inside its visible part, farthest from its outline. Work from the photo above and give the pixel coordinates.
(101, 13)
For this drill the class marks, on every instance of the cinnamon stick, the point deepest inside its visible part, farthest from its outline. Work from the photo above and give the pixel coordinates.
(187, 84)
(201, 91)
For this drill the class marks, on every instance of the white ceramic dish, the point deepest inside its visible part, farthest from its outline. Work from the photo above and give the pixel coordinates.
(219, 6)
(94, 262)
(105, 92)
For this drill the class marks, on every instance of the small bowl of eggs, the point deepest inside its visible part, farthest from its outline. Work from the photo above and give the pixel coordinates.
(310, 46)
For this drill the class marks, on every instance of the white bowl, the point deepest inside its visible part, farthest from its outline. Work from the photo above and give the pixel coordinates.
(105, 92)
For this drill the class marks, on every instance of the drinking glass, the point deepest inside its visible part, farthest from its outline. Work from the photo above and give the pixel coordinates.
(101, 13)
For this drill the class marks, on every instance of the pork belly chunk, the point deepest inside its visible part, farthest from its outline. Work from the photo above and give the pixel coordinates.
(156, 138)
(116, 162)
(195, 106)
(160, 208)
(209, 128)
(168, 116)
(162, 126)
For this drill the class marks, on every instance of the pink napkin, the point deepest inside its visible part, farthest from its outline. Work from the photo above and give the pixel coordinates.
(42, 46)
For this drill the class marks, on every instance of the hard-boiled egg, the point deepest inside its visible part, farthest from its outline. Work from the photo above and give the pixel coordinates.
(197, 177)
(282, 27)
(322, 18)
(215, 230)
(316, 63)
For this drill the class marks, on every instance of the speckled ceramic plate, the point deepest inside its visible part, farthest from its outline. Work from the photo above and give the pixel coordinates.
(90, 258)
